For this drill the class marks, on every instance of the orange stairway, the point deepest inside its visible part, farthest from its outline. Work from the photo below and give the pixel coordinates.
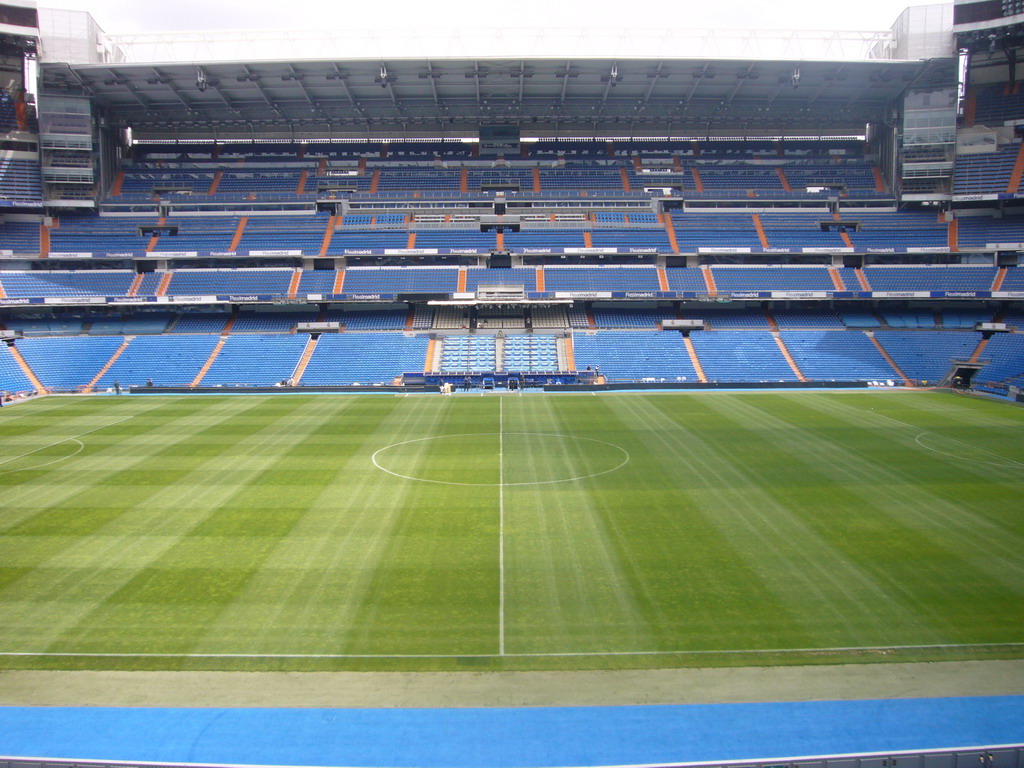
(1018, 170)
(783, 180)
(697, 180)
(238, 234)
(760, 230)
(670, 230)
(307, 353)
(976, 355)
(888, 358)
(26, 369)
(428, 364)
(113, 359)
(837, 281)
(216, 351)
(709, 280)
(786, 354)
(692, 352)
(328, 234)
(165, 283)
(293, 285)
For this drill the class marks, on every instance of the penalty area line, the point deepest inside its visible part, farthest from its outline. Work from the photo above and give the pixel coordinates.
(561, 654)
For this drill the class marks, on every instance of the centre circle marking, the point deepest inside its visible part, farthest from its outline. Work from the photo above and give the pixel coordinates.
(620, 465)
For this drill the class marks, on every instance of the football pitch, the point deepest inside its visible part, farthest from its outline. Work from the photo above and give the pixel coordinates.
(504, 532)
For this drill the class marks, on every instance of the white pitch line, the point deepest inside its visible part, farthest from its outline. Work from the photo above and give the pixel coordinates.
(924, 432)
(66, 439)
(564, 654)
(501, 527)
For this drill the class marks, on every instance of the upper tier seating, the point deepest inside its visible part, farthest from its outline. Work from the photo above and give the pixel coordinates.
(20, 182)
(799, 230)
(480, 242)
(984, 173)
(708, 230)
(199, 233)
(966, 277)
(19, 236)
(544, 238)
(898, 318)
(366, 239)
(980, 231)
(1014, 280)
(201, 322)
(965, 318)
(130, 324)
(809, 278)
(250, 321)
(401, 280)
(38, 283)
(898, 229)
(686, 279)
(806, 318)
(199, 282)
(601, 279)
(638, 317)
(729, 318)
(997, 103)
(374, 320)
(278, 233)
(517, 276)
(100, 234)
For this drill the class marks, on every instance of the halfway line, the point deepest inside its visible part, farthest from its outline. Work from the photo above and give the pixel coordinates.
(501, 526)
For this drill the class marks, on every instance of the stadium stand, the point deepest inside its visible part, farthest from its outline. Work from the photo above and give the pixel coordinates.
(635, 356)
(364, 358)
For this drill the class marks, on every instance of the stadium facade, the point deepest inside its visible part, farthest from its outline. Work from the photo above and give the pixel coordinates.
(801, 209)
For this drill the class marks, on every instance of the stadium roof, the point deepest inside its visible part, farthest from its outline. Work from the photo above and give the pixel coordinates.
(407, 98)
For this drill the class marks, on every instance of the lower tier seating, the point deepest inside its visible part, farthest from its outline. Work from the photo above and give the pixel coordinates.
(635, 355)
(364, 358)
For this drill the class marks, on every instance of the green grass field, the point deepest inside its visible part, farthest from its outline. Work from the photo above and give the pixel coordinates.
(509, 532)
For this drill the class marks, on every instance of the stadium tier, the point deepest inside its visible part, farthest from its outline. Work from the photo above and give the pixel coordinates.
(795, 256)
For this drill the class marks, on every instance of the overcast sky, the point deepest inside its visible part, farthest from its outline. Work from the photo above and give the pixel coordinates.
(119, 16)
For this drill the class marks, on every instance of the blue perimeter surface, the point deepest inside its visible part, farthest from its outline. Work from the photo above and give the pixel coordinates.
(549, 736)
